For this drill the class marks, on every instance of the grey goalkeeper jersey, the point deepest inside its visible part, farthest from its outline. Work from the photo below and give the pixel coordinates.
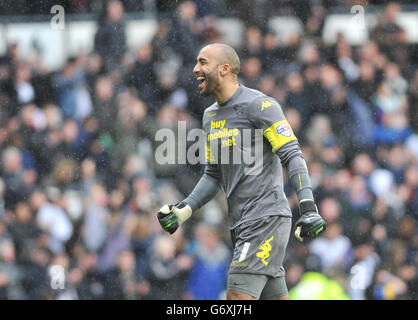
(251, 178)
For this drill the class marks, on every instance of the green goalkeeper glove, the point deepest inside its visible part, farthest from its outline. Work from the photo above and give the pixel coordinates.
(310, 223)
(171, 217)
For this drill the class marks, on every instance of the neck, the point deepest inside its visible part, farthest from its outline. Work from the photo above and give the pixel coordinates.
(226, 91)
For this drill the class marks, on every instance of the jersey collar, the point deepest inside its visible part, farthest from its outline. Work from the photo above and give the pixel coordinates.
(236, 94)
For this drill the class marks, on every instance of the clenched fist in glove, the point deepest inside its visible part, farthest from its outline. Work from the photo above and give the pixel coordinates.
(173, 216)
(310, 223)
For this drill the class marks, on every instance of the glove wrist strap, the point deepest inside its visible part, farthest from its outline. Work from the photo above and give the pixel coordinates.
(183, 212)
(307, 206)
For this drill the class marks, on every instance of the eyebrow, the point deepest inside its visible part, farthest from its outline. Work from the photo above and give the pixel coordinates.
(201, 59)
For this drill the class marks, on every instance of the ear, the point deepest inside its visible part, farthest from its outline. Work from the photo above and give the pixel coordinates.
(224, 69)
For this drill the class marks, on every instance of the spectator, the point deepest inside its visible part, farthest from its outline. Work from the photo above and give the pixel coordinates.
(142, 77)
(185, 31)
(121, 282)
(168, 270)
(388, 34)
(35, 282)
(118, 237)
(95, 230)
(23, 85)
(52, 220)
(332, 248)
(297, 98)
(208, 274)
(387, 286)
(15, 176)
(24, 232)
(59, 280)
(363, 270)
(86, 278)
(104, 103)
(73, 98)
(141, 243)
(10, 273)
(270, 56)
(392, 110)
(365, 84)
(304, 290)
(251, 71)
(109, 41)
(345, 59)
(253, 43)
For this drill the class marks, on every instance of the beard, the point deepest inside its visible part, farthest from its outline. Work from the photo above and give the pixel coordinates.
(211, 83)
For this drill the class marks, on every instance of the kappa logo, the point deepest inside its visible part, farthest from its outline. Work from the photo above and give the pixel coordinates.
(284, 129)
(265, 251)
(266, 104)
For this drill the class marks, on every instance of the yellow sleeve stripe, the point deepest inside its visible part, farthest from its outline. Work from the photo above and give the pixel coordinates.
(279, 134)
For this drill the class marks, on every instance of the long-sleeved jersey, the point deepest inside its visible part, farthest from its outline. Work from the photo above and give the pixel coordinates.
(235, 132)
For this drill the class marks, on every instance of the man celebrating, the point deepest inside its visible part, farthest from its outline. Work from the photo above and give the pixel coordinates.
(259, 213)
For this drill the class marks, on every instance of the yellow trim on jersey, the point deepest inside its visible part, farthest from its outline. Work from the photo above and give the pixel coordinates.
(279, 134)
(209, 156)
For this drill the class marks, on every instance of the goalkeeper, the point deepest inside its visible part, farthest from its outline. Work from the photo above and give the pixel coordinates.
(259, 213)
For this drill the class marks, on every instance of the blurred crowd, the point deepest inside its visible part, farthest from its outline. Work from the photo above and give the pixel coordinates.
(218, 7)
(80, 186)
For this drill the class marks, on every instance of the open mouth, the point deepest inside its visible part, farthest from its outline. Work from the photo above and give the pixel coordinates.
(202, 82)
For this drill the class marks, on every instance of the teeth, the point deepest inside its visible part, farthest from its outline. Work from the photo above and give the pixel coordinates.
(200, 78)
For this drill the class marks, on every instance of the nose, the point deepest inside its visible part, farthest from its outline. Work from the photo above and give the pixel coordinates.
(196, 68)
